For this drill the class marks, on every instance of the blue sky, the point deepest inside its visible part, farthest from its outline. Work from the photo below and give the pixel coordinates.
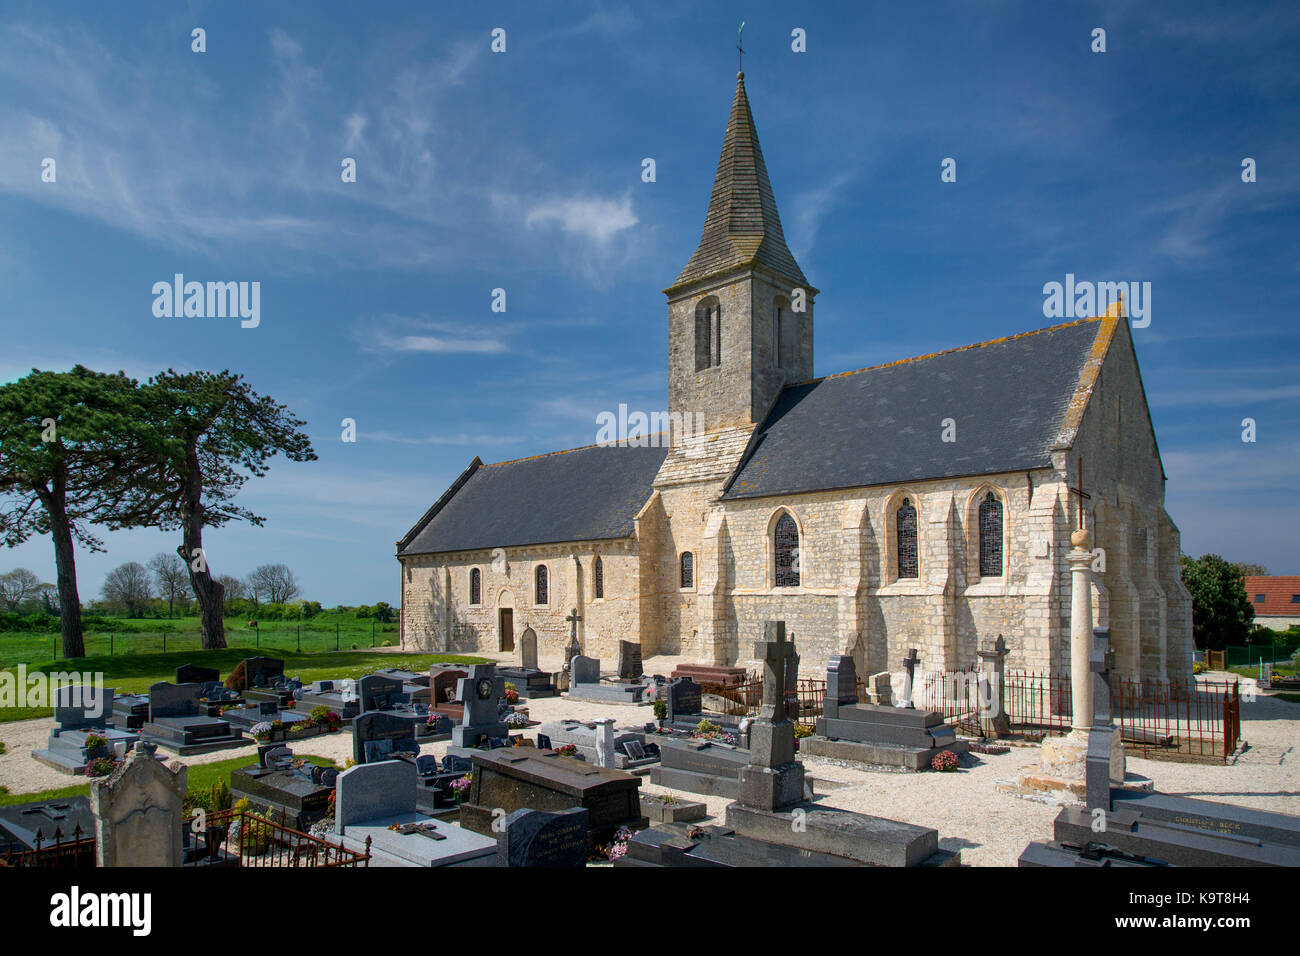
(522, 171)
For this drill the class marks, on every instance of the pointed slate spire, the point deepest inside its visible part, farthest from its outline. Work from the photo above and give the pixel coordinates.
(742, 226)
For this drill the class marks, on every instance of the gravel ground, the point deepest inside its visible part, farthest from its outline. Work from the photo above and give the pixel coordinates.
(990, 827)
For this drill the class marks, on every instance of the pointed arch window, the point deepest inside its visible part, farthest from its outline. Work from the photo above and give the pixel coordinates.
(688, 569)
(905, 521)
(990, 536)
(708, 334)
(475, 586)
(785, 549)
(540, 588)
(598, 577)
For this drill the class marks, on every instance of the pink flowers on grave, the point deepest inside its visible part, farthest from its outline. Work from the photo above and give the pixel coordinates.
(944, 761)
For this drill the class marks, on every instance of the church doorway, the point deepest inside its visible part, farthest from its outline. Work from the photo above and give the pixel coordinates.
(506, 629)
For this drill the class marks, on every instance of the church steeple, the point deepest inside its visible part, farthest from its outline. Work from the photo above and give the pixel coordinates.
(740, 315)
(742, 226)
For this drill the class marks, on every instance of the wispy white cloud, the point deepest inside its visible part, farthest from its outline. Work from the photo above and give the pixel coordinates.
(399, 334)
(593, 218)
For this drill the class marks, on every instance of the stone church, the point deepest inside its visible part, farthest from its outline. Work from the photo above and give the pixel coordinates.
(924, 503)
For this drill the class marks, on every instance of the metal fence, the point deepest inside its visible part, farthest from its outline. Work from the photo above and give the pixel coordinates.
(1159, 719)
(64, 851)
(261, 842)
(256, 842)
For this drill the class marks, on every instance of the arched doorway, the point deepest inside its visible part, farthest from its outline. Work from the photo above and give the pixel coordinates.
(506, 622)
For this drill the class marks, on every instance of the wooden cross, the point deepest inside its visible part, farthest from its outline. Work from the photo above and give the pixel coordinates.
(1081, 493)
(910, 661)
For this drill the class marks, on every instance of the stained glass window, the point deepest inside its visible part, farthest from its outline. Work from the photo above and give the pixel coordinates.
(598, 577)
(541, 585)
(688, 570)
(907, 557)
(990, 537)
(475, 587)
(786, 549)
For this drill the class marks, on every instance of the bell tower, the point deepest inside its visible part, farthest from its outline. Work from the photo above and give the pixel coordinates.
(740, 315)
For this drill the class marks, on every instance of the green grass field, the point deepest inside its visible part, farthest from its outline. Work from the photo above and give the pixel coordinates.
(199, 777)
(327, 631)
(135, 672)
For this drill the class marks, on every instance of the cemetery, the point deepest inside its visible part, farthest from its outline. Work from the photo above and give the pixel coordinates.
(733, 770)
(83, 734)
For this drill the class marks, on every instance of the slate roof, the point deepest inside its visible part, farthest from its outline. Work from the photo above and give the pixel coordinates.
(882, 425)
(742, 226)
(585, 494)
(1277, 591)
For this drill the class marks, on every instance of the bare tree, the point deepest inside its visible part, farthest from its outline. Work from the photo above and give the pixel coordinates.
(170, 576)
(18, 586)
(128, 587)
(273, 583)
(235, 588)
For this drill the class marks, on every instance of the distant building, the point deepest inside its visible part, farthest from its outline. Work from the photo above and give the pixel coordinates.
(1276, 599)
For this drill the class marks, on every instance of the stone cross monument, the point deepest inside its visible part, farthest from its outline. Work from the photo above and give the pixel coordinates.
(773, 778)
(994, 721)
(909, 677)
(574, 648)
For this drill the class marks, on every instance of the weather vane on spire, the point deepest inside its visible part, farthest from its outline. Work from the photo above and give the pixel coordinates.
(739, 47)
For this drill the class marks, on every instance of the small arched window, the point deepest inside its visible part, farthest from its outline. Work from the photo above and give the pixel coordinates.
(785, 548)
(784, 329)
(905, 519)
(688, 569)
(708, 334)
(475, 586)
(598, 577)
(540, 587)
(990, 537)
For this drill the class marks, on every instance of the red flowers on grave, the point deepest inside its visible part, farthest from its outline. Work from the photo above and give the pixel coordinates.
(944, 761)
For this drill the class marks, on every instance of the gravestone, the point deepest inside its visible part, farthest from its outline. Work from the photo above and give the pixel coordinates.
(584, 670)
(1104, 765)
(994, 720)
(138, 812)
(685, 700)
(194, 674)
(586, 685)
(516, 778)
(773, 778)
(443, 683)
(83, 713)
(481, 693)
(771, 805)
(80, 707)
(380, 692)
(528, 649)
(604, 742)
(841, 685)
(175, 722)
(293, 790)
(629, 660)
(874, 734)
(706, 767)
(263, 672)
(909, 679)
(630, 747)
(380, 735)
(378, 802)
(542, 838)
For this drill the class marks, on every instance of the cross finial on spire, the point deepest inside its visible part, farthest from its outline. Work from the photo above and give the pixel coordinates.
(740, 47)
